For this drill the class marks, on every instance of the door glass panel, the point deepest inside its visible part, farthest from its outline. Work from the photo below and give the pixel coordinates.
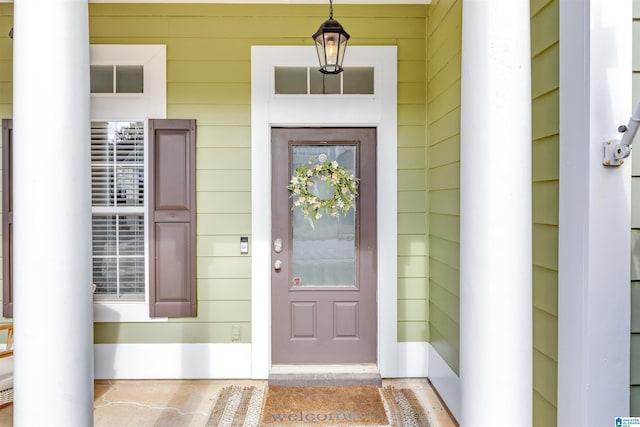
(324, 253)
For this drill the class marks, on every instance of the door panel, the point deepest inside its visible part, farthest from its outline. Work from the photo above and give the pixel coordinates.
(324, 292)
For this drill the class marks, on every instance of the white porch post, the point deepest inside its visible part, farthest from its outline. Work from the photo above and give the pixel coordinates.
(594, 232)
(495, 207)
(52, 215)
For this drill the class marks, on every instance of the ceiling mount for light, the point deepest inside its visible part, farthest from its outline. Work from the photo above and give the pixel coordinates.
(331, 42)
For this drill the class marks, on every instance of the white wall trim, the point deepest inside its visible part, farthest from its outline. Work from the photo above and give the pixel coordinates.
(446, 382)
(172, 361)
(594, 218)
(413, 359)
(269, 110)
(151, 104)
(216, 361)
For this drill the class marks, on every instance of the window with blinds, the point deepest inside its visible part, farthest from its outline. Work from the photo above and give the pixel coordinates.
(118, 209)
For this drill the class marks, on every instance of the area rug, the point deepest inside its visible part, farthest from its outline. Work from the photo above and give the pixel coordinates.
(278, 406)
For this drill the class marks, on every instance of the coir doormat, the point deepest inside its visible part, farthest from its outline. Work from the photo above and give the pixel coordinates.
(365, 406)
(317, 406)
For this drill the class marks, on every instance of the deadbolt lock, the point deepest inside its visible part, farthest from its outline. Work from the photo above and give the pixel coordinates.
(277, 245)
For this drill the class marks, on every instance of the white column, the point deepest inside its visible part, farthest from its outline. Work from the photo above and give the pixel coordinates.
(52, 215)
(495, 210)
(594, 232)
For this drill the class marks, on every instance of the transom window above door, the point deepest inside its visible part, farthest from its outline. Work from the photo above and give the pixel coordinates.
(309, 81)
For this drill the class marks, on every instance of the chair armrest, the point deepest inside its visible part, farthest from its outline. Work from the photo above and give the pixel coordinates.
(6, 353)
(9, 343)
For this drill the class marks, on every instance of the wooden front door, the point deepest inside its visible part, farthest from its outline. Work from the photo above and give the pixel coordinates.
(323, 273)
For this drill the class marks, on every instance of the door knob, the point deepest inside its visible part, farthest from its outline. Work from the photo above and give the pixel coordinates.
(277, 265)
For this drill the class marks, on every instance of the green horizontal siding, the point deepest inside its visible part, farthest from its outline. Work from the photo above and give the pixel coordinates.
(412, 199)
(413, 269)
(545, 198)
(224, 289)
(412, 288)
(411, 180)
(172, 332)
(6, 61)
(224, 201)
(208, 79)
(224, 224)
(412, 202)
(443, 127)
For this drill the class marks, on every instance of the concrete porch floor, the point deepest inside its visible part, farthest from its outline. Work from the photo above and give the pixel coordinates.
(182, 403)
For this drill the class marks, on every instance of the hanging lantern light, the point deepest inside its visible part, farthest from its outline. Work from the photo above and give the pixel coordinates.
(331, 42)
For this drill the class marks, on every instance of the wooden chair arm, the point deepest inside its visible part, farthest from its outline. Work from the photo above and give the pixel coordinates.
(6, 353)
(9, 328)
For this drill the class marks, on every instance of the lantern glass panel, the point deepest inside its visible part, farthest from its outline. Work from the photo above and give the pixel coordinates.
(341, 49)
(320, 49)
(332, 47)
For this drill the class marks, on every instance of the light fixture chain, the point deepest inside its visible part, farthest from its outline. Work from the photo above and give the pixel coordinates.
(330, 9)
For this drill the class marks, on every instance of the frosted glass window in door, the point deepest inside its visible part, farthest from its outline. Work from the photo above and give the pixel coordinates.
(324, 254)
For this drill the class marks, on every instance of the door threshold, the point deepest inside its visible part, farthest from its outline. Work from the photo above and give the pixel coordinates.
(325, 369)
(325, 375)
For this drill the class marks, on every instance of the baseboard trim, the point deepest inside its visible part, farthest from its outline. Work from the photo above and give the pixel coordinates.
(218, 361)
(446, 382)
(412, 360)
(172, 361)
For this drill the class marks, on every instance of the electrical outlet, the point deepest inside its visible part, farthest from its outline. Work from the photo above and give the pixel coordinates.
(244, 245)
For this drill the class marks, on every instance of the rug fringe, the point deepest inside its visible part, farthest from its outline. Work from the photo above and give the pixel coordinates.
(407, 411)
(235, 406)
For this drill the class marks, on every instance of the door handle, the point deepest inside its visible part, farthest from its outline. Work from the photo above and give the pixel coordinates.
(277, 245)
(277, 265)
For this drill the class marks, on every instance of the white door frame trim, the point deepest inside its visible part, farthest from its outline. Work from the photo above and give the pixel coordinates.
(379, 111)
(594, 214)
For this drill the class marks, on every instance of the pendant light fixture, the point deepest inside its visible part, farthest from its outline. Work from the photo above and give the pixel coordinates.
(331, 42)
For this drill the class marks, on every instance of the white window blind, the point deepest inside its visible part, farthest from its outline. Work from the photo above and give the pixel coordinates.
(118, 207)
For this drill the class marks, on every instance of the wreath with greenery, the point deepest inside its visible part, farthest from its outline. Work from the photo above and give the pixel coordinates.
(338, 178)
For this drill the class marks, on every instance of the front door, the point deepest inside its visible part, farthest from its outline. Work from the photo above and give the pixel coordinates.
(324, 278)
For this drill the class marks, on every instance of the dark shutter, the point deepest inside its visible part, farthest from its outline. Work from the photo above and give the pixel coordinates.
(7, 218)
(172, 201)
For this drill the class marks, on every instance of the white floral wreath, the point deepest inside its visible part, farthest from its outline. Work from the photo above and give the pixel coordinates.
(344, 184)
